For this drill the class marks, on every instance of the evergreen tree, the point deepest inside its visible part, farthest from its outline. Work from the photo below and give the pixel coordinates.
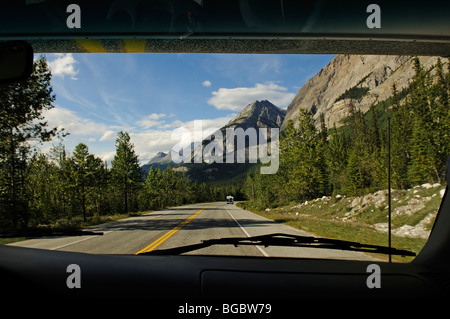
(439, 98)
(355, 175)
(126, 172)
(57, 155)
(336, 157)
(359, 166)
(307, 178)
(374, 134)
(322, 150)
(40, 189)
(422, 166)
(102, 185)
(401, 131)
(21, 109)
(80, 174)
(249, 188)
(152, 191)
(323, 129)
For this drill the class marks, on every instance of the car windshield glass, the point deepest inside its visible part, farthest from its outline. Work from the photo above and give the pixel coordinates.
(140, 153)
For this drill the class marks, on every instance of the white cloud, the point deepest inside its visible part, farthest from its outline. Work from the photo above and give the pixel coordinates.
(207, 125)
(81, 130)
(272, 65)
(174, 124)
(63, 65)
(108, 136)
(153, 120)
(149, 142)
(156, 116)
(206, 83)
(107, 156)
(150, 123)
(237, 98)
(73, 123)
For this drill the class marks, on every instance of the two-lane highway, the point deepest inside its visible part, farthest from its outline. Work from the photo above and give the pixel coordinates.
(186, 225)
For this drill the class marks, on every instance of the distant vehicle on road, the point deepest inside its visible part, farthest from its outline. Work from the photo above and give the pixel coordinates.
(230, 199)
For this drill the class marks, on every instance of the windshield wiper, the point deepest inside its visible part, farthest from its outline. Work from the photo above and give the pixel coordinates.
(289, 240)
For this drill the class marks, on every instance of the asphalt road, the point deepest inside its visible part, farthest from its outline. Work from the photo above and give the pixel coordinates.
(185, 225)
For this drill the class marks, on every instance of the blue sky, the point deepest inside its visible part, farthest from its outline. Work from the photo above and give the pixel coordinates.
(150, 95)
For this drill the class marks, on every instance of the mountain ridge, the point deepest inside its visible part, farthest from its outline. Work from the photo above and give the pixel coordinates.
(258, 114)
(373, 75)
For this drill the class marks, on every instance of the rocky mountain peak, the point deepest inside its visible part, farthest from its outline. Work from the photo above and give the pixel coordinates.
(259, 114)
(369, 77)
(160, 154)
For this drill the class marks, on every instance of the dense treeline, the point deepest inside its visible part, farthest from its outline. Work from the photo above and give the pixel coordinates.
(353, 159)
(61, 187)
(47, 189)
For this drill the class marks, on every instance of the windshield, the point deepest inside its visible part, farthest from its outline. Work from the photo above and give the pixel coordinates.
(135, 153)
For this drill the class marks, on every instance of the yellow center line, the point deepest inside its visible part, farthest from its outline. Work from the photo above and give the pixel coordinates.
(164, 237)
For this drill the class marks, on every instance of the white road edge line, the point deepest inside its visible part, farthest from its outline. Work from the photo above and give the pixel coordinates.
(247, 234)
(106, 232)
(79, 241)
(72, 243)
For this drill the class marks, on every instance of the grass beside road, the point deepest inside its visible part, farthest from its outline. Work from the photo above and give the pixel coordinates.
(340, 218)
(69, 224)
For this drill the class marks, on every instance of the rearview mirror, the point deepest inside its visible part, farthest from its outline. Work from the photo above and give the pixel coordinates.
(16, 61)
